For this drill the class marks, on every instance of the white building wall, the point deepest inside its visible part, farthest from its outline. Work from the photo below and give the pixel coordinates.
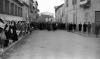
(70, 17)
(80, 13)
(96, 5)
(25, 13)
(58, 14)
(87, 15)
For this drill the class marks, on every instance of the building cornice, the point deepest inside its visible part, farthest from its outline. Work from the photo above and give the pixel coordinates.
(58, 7)
(25, 4)
(19, 2)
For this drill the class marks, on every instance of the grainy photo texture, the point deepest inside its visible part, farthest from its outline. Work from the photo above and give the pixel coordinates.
(49, 29)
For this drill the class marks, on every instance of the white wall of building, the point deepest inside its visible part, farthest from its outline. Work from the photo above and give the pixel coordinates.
(87, 15)
(59, 15)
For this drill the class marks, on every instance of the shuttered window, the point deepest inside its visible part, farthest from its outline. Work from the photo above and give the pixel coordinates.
(6, 6)
(16, 10)
(12, 8)
(1, 6)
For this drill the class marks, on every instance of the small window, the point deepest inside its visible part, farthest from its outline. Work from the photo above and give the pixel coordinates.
(1, 6)
(12, 8)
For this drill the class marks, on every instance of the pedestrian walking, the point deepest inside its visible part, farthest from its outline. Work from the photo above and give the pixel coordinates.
(89, 27)
(80, 27)
(97, 28)
(2, 34)
(68, 27)
(8, 34)
(84, 27)
(13, 29)
(74, 27)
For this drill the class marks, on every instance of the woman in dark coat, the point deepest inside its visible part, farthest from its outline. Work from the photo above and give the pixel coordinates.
(13, 31)
(8, 34)
(84, 27)
(80, 27)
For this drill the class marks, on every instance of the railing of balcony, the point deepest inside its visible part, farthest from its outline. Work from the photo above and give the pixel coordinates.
(86, 4)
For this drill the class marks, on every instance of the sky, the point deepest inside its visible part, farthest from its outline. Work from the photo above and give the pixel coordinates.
(48, 5)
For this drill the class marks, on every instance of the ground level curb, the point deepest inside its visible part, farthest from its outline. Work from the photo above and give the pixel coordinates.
(4, 50)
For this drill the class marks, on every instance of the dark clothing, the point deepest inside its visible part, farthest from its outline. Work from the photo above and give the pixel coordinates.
(89, 28)
(97, 30)
(80, 27)
(1, 29)
(54, 26)
(70, 27)
(14, 35)
(74, 27)
(67, 26)
(7, 32)
(84, 27)
(6, 43)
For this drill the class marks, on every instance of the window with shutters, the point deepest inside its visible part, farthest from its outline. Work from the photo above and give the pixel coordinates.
(21, 12)
(1, 6)
(12, 8)
(6, 6)
(16, 10)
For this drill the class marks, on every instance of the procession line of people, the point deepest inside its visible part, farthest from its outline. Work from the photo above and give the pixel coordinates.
(70, 27)
(80, 27)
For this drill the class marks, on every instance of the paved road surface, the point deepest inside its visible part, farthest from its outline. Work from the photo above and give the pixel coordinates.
(57, 45)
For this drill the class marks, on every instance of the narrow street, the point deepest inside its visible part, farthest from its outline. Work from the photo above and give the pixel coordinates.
(57, 45)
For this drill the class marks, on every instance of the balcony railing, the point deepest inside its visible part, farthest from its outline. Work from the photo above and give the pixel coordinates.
(86, 4)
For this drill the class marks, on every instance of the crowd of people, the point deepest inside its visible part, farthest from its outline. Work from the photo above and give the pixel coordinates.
(48, 26)
(80, 27)
(62, 26)
(10, 31)
(70, 27)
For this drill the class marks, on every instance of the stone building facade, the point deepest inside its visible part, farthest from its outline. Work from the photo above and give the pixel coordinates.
(80, 11)
(59, 13)
(17, 10)
(11, 10)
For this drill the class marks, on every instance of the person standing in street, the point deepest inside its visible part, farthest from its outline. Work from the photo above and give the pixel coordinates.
(8, 34)
(13, 31)
(71, 27)
(74, 27)
(84, 27)
(68, 27)
(89, 27)
(80, 27)
(2, 34)
(97, 29)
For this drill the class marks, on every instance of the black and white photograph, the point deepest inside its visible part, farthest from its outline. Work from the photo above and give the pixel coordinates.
(49, 29)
